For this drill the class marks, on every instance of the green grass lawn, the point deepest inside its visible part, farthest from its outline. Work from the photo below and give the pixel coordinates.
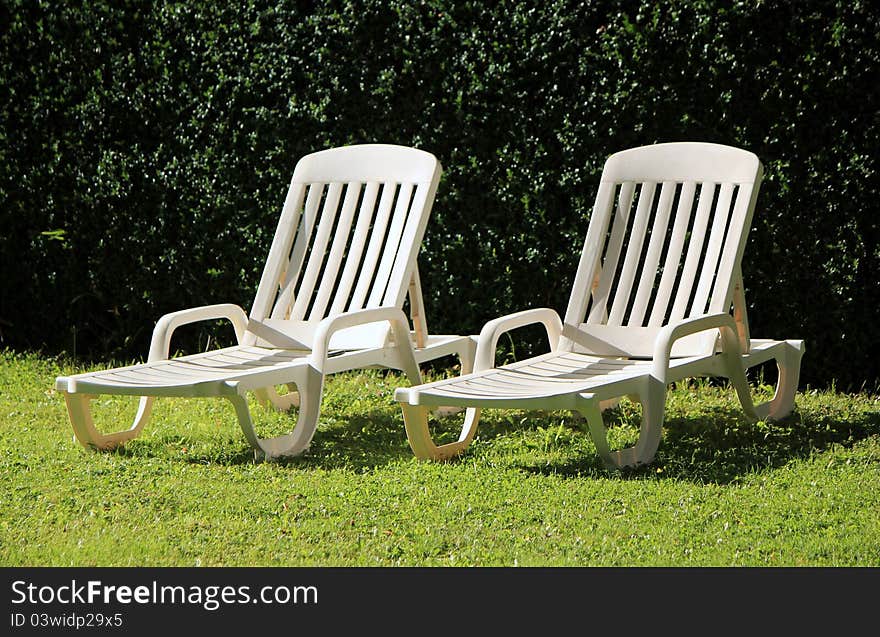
(530, 491)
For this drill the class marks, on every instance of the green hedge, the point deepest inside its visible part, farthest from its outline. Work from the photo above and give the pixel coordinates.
(147, 147)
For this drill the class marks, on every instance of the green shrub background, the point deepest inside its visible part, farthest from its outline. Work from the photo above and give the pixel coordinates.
(147, 146)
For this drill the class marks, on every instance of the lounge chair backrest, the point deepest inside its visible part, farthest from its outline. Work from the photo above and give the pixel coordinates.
(348, 237)
(665, 242)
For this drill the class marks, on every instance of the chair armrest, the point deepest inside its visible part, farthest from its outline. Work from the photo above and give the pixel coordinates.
(487, 341)
(331, 324)
(723, 322)
(165, 326)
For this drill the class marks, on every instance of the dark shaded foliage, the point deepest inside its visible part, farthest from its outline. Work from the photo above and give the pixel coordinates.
(147, 146)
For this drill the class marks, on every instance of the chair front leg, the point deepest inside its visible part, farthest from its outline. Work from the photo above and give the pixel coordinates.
(652, 397)
(309, 384)
(87, 434)
(415, 419)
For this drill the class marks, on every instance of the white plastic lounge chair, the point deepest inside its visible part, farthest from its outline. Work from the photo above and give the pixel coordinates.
(658, 297)
(330, 299)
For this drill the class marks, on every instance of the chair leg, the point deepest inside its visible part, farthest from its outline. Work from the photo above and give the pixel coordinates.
(269, 397)
(466, 355)
(789, 366)
(652, 398)
(604, 405)
(415, 419)
(84, 427)
(309, 387)
(736, 374)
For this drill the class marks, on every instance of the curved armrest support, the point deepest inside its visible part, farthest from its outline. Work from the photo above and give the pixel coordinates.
(487, 342)
(165, 326)
(724, 323)
(331, 324)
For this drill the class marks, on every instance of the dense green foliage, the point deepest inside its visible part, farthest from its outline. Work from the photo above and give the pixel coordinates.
(146, 149)
(530, 490)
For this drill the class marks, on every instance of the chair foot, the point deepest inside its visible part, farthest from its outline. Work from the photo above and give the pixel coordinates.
(415, 418)
(308, 388)
(86, 433)
(652, 398)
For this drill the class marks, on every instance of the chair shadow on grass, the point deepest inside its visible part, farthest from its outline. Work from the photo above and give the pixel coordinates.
(355, 441)
(359, 441)
(720, 446)
(714, 444)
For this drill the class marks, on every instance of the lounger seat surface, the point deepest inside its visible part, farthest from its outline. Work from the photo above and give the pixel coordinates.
(562, 375)
(220, 371)
(180, 376)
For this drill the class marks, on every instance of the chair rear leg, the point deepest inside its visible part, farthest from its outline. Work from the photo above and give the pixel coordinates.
(415, 419)
(269, 397)
(86, 433)
(652, 397)
(789, 366)
(308, 387)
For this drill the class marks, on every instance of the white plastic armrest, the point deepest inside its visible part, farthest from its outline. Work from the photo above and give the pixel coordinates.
(723, 322)
(487, 342)
(165, 326)
(331, 324)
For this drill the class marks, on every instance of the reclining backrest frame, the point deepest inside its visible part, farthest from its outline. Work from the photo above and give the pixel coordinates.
(678, 255)
(347, 239)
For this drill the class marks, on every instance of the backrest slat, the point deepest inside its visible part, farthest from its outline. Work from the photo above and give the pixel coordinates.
(673, 254)
(633, 253)
(377, 235)
(731, 259)
(318, 250)
(713, 251)
(591, 254)
(392, 244)
(356, 249)
(303, 236)
(599, 312)
(397, 286)
(278, 259)
(694, 251)
(652, 257)
(334, 256)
